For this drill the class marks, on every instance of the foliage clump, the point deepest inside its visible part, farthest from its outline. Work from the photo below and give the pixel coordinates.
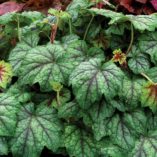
(81, 82)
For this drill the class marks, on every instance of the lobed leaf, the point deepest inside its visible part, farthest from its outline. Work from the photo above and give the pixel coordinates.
(45, 64)
(18, 54)
(79, 142)
(146, 146)
(138, 61)
(36, 129)
(92, 79)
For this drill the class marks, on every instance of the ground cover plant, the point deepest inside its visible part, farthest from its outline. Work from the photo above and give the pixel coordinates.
(80, 82)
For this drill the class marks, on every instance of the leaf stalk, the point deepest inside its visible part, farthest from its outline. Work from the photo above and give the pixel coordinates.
(131, 40)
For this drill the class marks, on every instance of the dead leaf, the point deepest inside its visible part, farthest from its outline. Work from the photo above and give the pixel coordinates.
(10, 7)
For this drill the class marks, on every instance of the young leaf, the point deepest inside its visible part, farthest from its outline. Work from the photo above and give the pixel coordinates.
(45, 64)
(79, 142)
(19, 53)
(146, 146)
(149, 96)
(36, 129)
(92, 79)
(3, 146)
(138, 61)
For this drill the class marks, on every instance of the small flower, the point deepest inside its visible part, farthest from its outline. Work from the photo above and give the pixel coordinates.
(5, 73)
(119, 56)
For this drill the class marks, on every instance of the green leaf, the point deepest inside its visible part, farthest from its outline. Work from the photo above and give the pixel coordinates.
(138, 61)
(18, 54)
(94, 30)
(152, 74)
(115, 16)
(151, 121)
(144, 22)
(8, 109)
(117, 42)
(20, 93)
(76, 6)
(136, 121)
(120, 105)
(140, 22)
(36, 129)
(112, 151)
(100, 110)
(69, 110)
(146, 146)
(79, 142)
(78, 49)
(6, 18)
(3, 146)
(130, 91)
(98, 113)
(31, 16)
(117, 29)
(148, 44)
(92, 79)
(45, 64)
(149, 96)
(119, 132)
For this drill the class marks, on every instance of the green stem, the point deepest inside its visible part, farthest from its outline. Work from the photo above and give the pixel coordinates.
(70, 27)
(131, 40)
(58, 98)
(87, 29)
(18, 29)
(144, 75)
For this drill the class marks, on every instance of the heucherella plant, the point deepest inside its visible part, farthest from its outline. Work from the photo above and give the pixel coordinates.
(92, 93)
